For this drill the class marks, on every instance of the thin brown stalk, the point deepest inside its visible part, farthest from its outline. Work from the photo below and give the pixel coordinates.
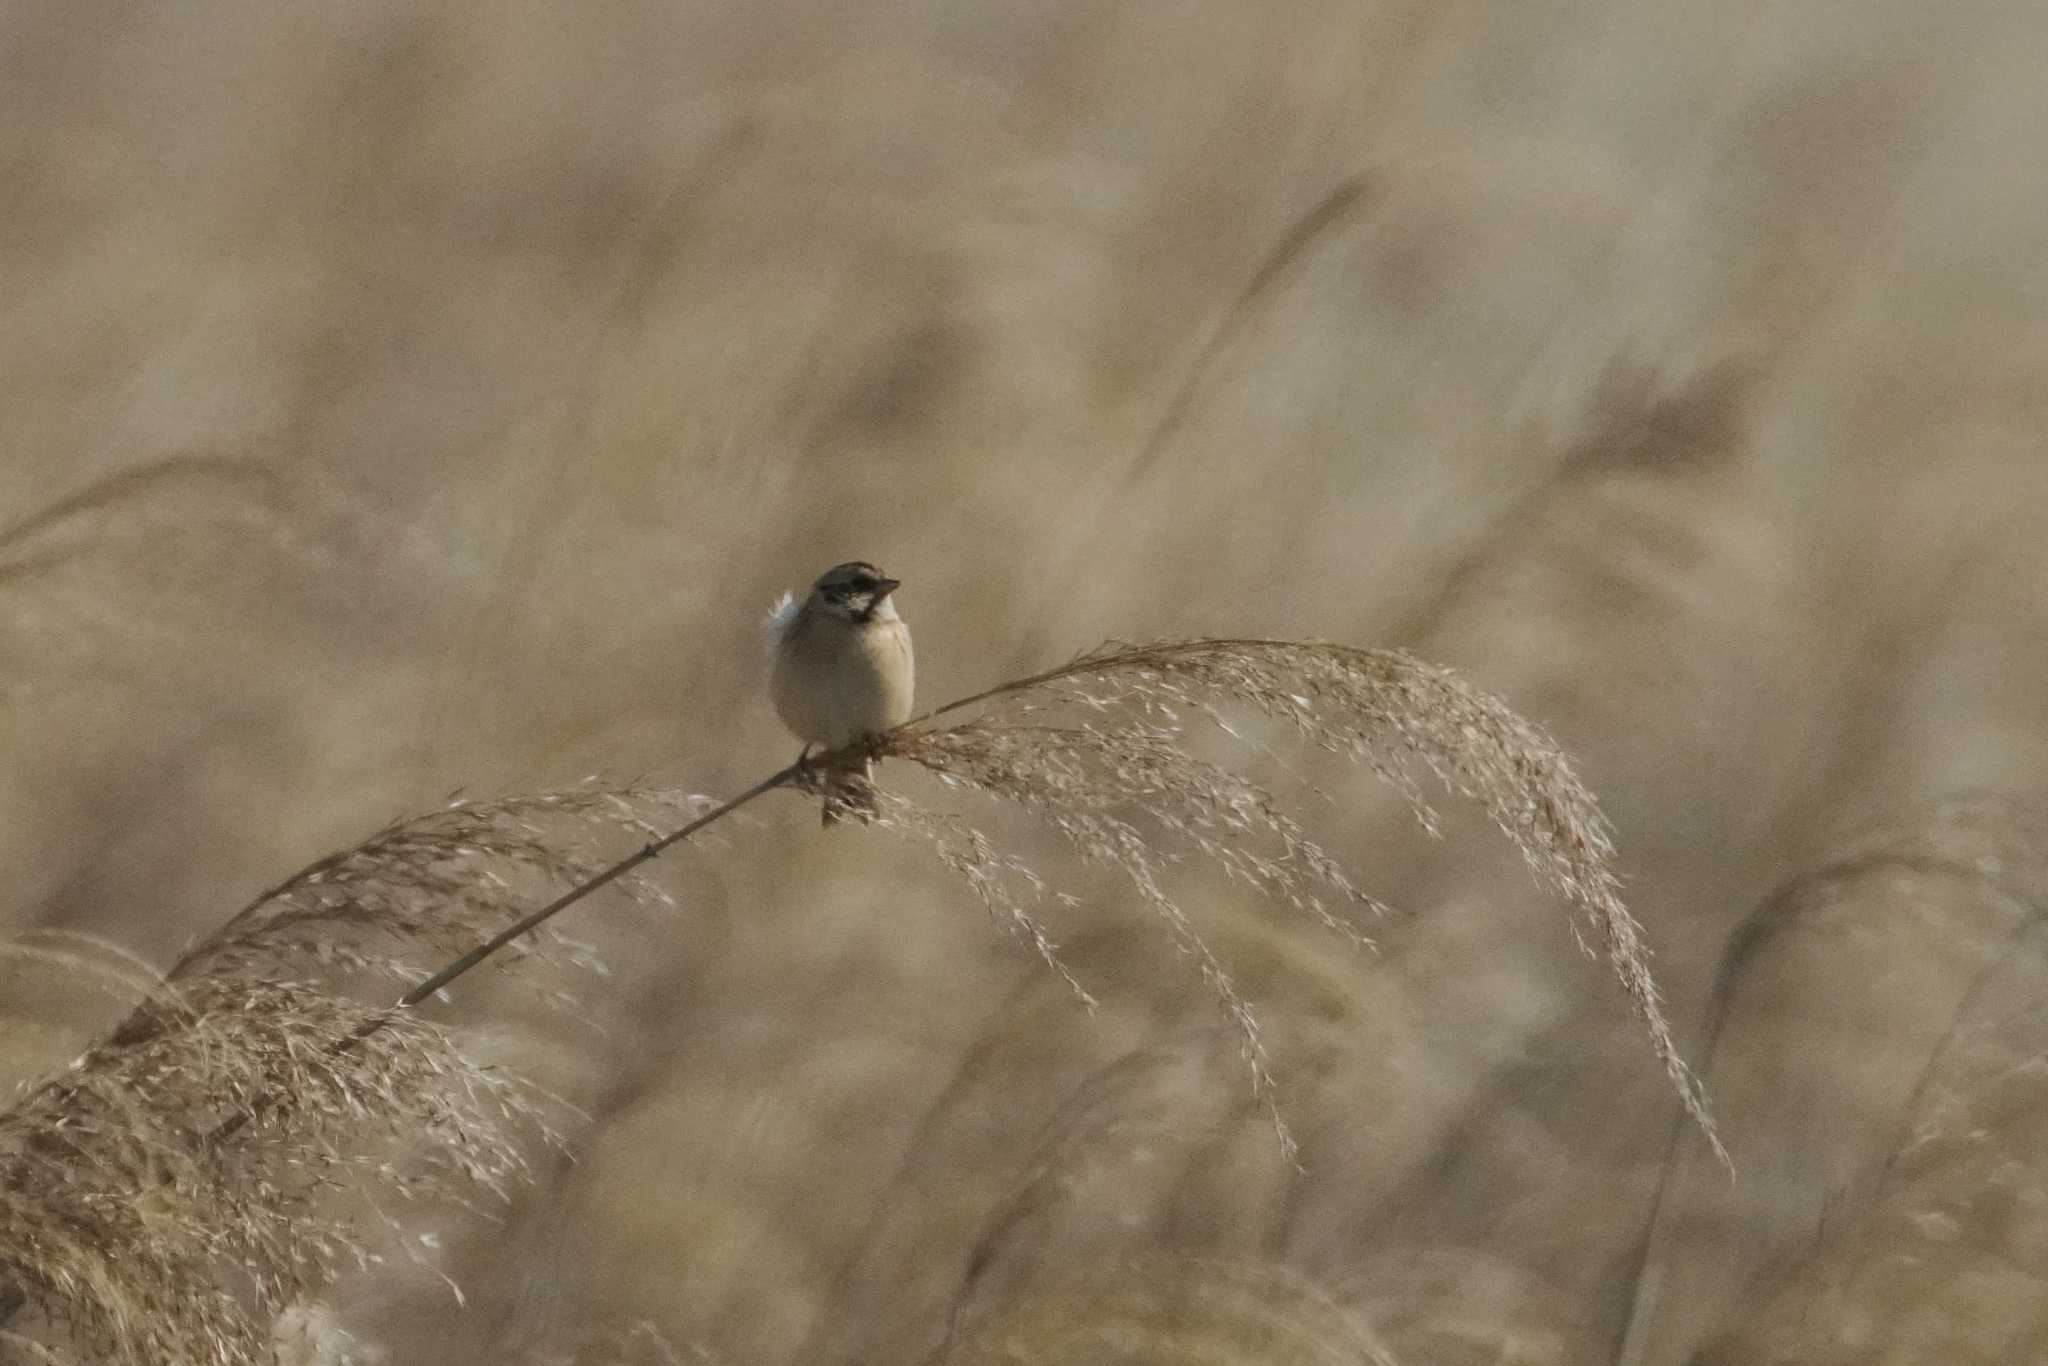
(1288, 250)
(647, 853)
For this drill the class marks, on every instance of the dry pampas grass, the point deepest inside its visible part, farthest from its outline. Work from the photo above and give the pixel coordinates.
(165, 1197)
(1100, 750)
(168, 1195)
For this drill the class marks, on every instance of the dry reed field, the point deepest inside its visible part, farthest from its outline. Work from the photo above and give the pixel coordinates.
(1612, 433)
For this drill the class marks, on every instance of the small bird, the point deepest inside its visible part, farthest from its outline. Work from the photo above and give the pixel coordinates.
(843, 674)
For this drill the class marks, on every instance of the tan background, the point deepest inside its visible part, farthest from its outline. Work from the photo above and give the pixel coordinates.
(398, 397)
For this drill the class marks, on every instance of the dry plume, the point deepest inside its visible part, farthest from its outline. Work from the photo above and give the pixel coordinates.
(174, 1190)
(1100, 750)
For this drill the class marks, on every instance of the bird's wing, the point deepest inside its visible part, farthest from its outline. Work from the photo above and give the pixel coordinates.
(780, 618)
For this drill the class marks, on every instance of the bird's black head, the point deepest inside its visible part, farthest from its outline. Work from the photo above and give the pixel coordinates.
(854, 589)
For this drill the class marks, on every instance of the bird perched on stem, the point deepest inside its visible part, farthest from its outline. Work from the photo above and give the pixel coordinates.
(842, 676)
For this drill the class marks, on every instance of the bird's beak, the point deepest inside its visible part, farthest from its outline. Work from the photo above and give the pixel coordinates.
(884, 587)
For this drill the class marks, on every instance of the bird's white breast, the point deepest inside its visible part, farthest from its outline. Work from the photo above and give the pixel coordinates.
(837, 681)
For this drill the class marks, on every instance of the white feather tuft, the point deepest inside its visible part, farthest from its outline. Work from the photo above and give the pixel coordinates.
(780, 618)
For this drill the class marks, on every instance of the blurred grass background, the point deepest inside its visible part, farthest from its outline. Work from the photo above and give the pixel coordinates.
(401, 397)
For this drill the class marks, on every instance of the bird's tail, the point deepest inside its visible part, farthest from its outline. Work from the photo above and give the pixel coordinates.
(849, 795)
